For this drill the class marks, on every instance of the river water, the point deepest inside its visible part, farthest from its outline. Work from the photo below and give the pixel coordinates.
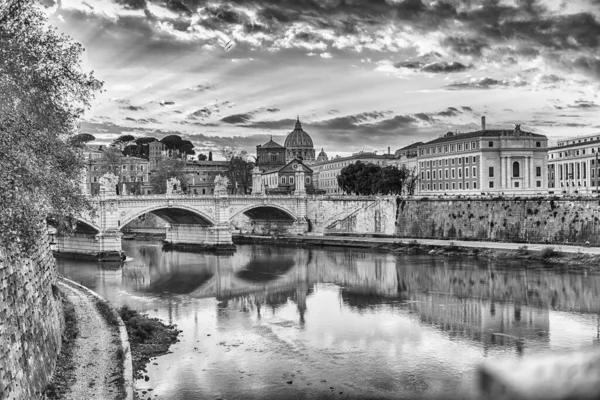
(283, 322)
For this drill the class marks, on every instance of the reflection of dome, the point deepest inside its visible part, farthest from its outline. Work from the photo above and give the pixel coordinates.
(299, 144)
(322, 156)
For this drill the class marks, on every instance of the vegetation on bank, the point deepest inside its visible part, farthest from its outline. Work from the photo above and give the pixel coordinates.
(64, 374)
(547, 255)
(148, 338)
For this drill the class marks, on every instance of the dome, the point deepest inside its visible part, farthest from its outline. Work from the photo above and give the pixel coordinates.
(322, 156)
(298, 139)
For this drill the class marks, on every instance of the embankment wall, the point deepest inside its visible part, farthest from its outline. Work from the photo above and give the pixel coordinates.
(31, 321)
(511, 220)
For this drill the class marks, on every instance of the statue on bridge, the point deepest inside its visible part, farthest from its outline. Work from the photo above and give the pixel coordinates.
(173, 186)
(221, 183)
(108, 184)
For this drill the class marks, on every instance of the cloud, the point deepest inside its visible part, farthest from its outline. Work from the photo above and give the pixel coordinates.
(238, 118)
(167, 103)
(133, 108)
(434, 67)
(483, 83)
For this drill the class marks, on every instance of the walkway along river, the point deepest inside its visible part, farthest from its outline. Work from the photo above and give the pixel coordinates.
(286, 322)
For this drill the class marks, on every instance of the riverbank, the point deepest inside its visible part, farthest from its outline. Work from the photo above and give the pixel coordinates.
(560, 255)
(95, 362)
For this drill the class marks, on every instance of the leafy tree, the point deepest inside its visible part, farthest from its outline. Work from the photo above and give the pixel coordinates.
(122, 141)
(172, 141)
(210, 156)
(202, 157)
(186, 147)
(370, 179)
(411, 181)
(239, 168)
(165, 169)
(81, 139)
(43, 93)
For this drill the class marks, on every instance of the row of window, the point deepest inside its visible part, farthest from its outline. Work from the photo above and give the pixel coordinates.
(133, 167)
(448, 173)
(574, 152)
(450, 186)
(453, 161)
(449, 148)
(516, 171)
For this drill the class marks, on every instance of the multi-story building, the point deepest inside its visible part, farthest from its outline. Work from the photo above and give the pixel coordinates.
(573, 166)
(132, 173)
(282, 180)
(200, 175)
(487, 161)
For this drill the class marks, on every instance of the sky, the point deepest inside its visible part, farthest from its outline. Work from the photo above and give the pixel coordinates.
(361, 75)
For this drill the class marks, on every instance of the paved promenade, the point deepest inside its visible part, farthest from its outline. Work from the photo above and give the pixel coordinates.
(359, 240)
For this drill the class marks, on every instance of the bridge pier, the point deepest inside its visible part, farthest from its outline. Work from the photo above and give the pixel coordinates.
(104, 246)
(198, 237)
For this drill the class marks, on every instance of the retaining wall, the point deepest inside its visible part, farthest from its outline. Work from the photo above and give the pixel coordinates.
(31, 321)
(511, 220)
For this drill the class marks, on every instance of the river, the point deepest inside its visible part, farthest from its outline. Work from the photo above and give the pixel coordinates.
(284, 322)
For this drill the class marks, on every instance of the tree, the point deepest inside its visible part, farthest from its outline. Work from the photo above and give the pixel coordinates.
(165, 169)
(81, 139)
(186, 147)
(172, 141)
(202, 157)
(370, 179)
(122, 141)
(210, 156)
(239, 168)
(43, 93)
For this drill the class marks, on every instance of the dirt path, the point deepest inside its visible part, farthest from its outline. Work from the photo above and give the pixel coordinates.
(95, 351)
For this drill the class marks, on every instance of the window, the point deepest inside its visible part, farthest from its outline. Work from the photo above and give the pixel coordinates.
(538, 171)
(538, 144)
(466, 172)
(452, 147)
(491, 172)
(446, 173)
(446, 186)
(434, 186)
(538, 183)
(466, 146)
(446, 162)
(474, 185)
(473, 145)
(516, 184)
(459, 147)
(460, 161)
(291, 179)
(491, 184)
(490, 144)
(474, 159)
(466, 185)
(428, 176)
(460, 172)
(453, 186)
(516, 170)
(428, 186)
(452, 173)
(452, 161)
(308, 180)
(434, 175)
(460, 185)
(283, 180)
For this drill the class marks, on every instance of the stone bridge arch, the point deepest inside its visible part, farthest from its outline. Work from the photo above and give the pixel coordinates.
(264, 218)
(260, 210)
(173, 214)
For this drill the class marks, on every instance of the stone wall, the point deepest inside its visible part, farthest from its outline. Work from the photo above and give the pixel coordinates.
(31, 322)
(352, 215)
(510, 220)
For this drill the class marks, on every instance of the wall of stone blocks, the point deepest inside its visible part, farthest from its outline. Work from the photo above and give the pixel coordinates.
(363, 216)
(511, 220)
(31, 321)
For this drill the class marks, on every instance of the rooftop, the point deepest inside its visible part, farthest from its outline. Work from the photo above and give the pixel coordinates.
(450, 136)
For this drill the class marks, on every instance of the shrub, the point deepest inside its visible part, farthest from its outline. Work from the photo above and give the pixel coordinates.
(413, 243)
(452, 246)
(547, 252)
(523, 250)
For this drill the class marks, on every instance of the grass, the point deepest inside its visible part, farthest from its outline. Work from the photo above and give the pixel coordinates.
(148, 338)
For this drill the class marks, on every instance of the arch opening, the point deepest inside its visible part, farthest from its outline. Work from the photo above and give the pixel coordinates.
(269, 213)
(516, 169)
(171, 215)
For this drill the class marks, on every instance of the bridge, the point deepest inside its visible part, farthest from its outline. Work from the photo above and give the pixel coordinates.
(201, 221)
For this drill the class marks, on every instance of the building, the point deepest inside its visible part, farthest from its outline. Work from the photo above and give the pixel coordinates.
(282, 180)
(200, 175)
(299, 145)
(487, 161)
(270, 155)
(573, 166)
(132, 172)
(322, 156)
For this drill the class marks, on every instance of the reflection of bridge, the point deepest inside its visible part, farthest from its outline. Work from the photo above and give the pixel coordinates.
(207, 221)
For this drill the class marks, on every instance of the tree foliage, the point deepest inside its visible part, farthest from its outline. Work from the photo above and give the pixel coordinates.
(239, 169)
(80, 139)
(165, 169)
(43, 93)
(371, 179)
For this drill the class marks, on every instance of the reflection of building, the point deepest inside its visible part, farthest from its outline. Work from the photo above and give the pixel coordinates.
(573, 166)
(482, 320)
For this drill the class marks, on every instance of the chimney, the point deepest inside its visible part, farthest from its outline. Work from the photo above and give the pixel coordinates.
(483, 123)
(389, 150)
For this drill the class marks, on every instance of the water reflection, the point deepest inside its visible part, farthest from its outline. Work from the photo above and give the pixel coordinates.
(368, 324)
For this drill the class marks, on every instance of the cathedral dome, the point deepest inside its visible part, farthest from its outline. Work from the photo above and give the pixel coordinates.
(298, 139)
